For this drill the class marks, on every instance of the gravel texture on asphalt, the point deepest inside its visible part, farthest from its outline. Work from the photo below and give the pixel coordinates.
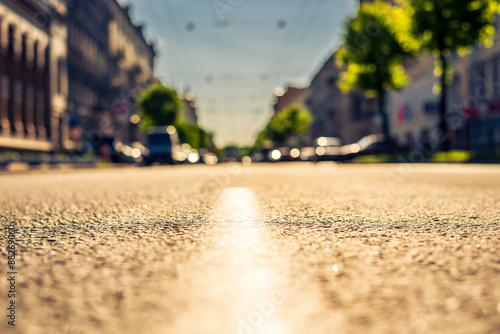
(264, 249)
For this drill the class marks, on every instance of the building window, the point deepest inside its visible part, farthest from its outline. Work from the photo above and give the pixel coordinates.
(409, 143)
(479, 82)
(496, 84)
(24, 46)
(431, 107)
(425, 141)
(356, 102)
(332, 81)
(18, 92)
(330, 114)
(61, 75)
(5, 82)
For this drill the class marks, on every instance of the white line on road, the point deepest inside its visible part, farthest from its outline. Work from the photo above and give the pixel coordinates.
(257, 310)
(238, 288)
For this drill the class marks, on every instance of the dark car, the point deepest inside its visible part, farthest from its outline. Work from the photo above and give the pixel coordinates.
(370, 145)
(162, 141)
(105, 148)
(279, 154)
(327, 148)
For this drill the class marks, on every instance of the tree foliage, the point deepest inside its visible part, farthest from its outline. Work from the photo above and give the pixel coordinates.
(193, 134)
(373, 46)
(453, 25)
(448, 26)
(159, 105)
(293, 121)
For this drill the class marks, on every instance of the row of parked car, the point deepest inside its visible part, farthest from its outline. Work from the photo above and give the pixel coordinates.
(163, 146)
(332, 149)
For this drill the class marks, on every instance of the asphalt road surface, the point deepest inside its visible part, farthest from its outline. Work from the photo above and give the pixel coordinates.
(261, 249)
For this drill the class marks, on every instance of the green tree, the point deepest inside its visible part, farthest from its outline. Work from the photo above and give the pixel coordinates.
(192, 134)
(205, 139)
(451, 26)
(374, 43)
(188, 133)
(159, 105)
(293, 121)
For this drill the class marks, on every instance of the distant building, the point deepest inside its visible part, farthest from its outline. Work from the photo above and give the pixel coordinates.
(189, 105)
(110, 62)
(347, 116)
(89, 71)
(481, 128)
(132, 70)
(70, 73)
(33, 78)
(414, 110)
(291, 96)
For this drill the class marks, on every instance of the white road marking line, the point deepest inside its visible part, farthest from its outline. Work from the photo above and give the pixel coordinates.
(259, 308)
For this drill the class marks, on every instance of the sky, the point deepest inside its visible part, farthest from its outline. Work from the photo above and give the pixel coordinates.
(233, 54)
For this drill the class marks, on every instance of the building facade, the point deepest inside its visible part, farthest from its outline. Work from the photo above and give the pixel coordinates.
(480, 106)
(189, 105)
(70, 74)
(132, 70)
(347, 116)
(89, 62)
(110, 62)
(473, 103)
(33, 77)
(292, 95)
(414, 110)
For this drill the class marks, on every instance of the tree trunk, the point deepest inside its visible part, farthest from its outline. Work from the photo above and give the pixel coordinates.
(382, 96)
(443, 124)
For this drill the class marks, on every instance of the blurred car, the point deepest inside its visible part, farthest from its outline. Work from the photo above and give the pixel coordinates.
(184, 153)
(279, 154)
(374, 144)
(282, 154)
(327, 141)
(294, 154)
(104, 147)
(308, 154)
(210, 159)
(257, 157)
(327, 148)
(162, 143)
(130, 154)
(193, 156)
